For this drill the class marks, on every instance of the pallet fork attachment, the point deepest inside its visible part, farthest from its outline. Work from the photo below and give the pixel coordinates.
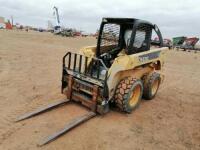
(70, 125)
(41, 110)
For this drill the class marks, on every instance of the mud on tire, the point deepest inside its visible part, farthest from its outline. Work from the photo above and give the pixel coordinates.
(128, 89)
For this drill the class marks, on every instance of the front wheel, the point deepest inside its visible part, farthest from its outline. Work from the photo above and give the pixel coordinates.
(128, 94)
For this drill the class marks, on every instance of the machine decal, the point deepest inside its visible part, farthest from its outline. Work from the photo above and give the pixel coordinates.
(150, 56)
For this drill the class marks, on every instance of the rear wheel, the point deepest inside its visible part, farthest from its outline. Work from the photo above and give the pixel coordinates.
(128, 94)
(151, 85)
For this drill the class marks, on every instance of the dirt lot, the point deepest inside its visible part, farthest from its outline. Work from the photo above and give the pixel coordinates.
(30, 74)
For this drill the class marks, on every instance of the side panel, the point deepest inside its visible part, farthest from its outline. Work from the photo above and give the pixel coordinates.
(135, 65)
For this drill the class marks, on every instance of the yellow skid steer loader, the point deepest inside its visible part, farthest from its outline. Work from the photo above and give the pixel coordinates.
(123, 68)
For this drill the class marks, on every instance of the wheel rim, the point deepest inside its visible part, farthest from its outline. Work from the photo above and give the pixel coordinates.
(154, 87)
(135, 96)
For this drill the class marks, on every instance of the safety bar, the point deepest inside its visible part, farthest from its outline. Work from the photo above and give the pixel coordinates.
(87, 66)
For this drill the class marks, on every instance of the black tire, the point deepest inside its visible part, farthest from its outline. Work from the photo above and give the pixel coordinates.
(128, 94)
(151, 85)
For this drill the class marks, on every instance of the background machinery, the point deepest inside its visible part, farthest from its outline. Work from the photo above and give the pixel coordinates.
(57, 28)
(61, 31)
(189, 43)
(178, 41)
(167, 43)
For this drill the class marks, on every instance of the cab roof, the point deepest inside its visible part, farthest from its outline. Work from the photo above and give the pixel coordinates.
(125, 21)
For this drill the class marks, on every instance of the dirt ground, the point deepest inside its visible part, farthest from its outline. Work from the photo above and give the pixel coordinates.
(30, 77)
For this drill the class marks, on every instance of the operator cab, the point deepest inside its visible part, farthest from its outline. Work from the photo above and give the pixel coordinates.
(125, 35)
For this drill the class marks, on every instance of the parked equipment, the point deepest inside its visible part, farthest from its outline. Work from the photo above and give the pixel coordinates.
(167, 43)
(57, 28)
(124, 67)
(189, 43)
(178, 41)
(67, 33)
(197, 47)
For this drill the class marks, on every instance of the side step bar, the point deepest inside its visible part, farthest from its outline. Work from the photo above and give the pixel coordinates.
(41, 110)
(73, 123)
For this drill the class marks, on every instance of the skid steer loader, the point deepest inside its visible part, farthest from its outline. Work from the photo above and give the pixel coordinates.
(125, 66)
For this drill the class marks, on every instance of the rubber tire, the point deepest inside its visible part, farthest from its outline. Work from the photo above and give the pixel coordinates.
(148, 80)
(123, 92)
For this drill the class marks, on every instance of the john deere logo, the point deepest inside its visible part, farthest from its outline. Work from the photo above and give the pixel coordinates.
(147, 57)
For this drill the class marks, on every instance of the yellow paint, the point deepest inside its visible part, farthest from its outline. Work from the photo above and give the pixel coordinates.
(135, 96)
(129, 65)
(88, 51)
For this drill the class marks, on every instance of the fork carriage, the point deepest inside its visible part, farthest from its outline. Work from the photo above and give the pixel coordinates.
(83, 81)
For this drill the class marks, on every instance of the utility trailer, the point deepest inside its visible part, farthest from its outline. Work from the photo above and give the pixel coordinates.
(124, 67)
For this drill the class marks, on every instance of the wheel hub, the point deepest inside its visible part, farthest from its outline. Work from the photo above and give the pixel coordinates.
(135, 95)
(155, 86)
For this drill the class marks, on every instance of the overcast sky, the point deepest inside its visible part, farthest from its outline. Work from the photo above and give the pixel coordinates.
(174, 17)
